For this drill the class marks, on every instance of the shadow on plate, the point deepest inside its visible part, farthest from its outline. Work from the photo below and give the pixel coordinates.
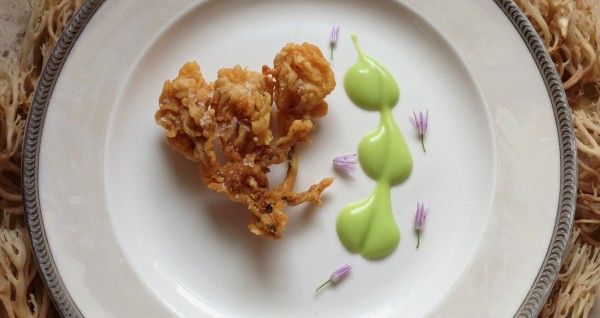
(229, 219)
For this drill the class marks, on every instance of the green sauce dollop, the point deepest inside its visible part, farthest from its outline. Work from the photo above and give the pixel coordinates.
(367, 226)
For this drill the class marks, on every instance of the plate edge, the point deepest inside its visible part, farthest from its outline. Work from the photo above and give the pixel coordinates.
(42, 255)
(540, 289)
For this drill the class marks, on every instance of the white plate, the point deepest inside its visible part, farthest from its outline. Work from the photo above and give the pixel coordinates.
(132, 231)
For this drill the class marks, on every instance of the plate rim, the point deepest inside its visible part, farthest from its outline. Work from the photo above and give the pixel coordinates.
(539, 290)
(542, 286)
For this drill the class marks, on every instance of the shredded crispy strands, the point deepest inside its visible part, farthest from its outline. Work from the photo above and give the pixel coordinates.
(571, 32)
(21, 292)
(234, 114)
(576, 287)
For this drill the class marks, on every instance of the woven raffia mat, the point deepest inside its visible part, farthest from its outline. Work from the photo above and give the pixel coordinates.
(570, 29)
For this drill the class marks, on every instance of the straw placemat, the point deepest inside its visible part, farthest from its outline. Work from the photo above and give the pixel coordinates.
(570, 29)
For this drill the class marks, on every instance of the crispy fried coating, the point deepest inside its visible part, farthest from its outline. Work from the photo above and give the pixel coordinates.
(303, 78)
(246, 96)
(186, 113)
(235, 115)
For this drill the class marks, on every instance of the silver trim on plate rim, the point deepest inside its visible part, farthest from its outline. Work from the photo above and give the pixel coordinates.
(543, 283)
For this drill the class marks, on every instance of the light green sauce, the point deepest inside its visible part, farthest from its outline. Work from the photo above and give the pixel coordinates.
(367, 226)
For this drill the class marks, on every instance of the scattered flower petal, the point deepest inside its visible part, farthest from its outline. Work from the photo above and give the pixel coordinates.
(335, 31)
(420, 121)
(420, 218)
(346, 164)
(336, 276)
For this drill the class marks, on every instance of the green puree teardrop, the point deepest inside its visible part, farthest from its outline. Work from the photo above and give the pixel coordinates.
(367, 226)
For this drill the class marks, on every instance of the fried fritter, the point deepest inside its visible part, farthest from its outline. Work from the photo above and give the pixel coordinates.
(235, 115)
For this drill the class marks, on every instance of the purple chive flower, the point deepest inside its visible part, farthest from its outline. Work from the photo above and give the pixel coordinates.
(336, 276)
(335, 31)
(346, 164)
(420, 218)
(420, 121)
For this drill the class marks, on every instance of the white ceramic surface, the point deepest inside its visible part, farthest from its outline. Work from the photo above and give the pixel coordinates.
(133, 231)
